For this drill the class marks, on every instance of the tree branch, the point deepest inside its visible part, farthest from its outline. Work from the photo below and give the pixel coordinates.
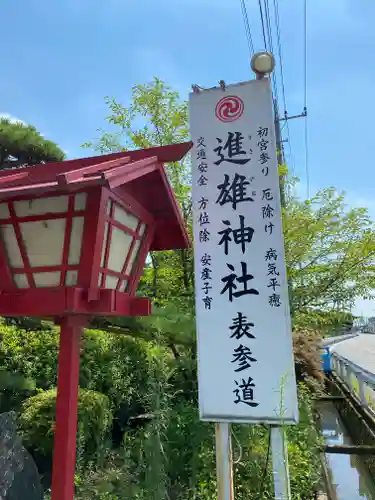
(337, 275)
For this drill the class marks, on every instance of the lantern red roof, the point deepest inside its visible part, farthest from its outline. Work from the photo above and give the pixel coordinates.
(140, 172)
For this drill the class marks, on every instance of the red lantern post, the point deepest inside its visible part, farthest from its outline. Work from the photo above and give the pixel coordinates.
(74, 237)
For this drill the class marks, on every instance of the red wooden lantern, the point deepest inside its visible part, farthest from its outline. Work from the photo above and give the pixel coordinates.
(74, 237)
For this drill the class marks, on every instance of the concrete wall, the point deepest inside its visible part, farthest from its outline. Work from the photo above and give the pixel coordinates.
(358, 422)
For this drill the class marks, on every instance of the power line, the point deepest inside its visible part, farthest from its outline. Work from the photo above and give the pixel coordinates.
(270, 45)
(274, 78)
(247, 28)
(305, 98)
(305, 52)
(263, 28)
(280, 59)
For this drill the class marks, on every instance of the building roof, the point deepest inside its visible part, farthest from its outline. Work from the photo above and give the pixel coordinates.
(142, 171)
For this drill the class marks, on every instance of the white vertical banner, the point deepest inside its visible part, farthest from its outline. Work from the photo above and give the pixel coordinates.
(245, 357)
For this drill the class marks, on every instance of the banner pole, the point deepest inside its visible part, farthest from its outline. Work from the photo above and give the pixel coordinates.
(280, 465)
(224, 464)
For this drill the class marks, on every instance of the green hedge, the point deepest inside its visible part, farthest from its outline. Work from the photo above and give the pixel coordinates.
(112, 364)
(37, 421)
(32, 354)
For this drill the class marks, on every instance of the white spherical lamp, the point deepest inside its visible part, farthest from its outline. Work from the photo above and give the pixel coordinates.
(262, 63)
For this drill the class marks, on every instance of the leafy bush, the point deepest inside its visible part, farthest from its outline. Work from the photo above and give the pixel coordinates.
(37, 421)
(112, 364)
(115, 365)
(174, 457)
(308, 364)
(14, 389)
(32, 354)
(326, 322)
(304, 442)
(171, 454)
(28, 323)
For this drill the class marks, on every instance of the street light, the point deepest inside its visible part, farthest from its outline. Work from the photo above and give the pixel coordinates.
(74, 237)
(262, 63)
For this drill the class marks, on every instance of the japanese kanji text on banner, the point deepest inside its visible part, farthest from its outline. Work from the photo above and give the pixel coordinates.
(245, 357)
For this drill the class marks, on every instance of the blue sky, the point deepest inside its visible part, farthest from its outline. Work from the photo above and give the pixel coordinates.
(62, 57)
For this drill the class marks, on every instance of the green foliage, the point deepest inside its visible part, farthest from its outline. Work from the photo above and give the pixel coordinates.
(330, 251)
(174, 457)
(327, 323)
(283, 170)
(146, 367)
(22, 145)
(37, 421)
(308, 364)
(304, 445)
(329, 248)
(170, 455)
(176, 325)
(115, 365)
(155, 117)
(27, 323)
(112, 481)
(164, 120)
(31, 354)
(14, 388)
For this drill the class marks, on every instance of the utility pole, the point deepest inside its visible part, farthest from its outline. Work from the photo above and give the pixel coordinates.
(262, 64)
(278, 439)
(281, 161)
(279, 151)
(279, 143)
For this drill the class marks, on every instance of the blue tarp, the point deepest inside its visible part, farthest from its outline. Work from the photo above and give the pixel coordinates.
(326, 359)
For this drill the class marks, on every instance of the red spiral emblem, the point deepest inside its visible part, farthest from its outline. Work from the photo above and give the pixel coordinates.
(229, 108)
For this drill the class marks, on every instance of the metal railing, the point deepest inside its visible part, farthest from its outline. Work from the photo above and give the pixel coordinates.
(358, 381)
